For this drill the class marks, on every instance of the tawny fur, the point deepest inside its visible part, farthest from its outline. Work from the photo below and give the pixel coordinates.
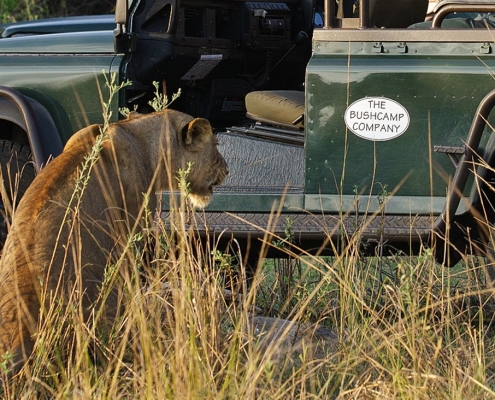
(141, 155)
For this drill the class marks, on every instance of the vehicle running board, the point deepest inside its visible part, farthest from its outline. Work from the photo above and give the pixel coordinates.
(395, 228)
(271, 133)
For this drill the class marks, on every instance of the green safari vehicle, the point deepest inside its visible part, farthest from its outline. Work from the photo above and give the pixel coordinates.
(388, 138)
(335, 119)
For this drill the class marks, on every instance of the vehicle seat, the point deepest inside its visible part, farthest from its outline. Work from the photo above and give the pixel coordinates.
(277, 107)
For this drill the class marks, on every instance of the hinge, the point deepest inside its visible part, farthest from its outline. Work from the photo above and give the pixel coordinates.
(124, 42)
(485, 48)
(377, 47)
(131, 42)
(402, 47)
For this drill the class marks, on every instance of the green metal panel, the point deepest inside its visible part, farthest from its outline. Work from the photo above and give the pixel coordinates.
(440, 85)
(256, 202)
(74, 84)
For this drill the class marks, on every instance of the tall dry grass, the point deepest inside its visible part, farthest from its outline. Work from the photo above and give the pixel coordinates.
(415, 330)
(403, 327)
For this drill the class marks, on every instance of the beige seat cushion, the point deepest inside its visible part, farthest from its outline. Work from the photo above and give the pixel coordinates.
(278, 107)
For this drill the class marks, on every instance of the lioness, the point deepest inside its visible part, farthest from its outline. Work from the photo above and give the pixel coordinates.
(61, 238)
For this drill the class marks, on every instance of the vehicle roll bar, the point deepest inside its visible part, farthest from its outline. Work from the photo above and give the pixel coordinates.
(330, 19)
(466, 161)
(447, 9)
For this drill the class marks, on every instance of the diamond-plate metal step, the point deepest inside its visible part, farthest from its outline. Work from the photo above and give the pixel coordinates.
(395, 227)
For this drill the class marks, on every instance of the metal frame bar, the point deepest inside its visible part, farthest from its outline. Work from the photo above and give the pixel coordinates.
(447, 9)
(330, 19)
(466, 161)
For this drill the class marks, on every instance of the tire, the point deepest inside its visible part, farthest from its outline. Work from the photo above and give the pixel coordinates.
(18, 172)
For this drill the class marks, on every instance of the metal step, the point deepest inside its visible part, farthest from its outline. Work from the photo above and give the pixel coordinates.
(400, 228)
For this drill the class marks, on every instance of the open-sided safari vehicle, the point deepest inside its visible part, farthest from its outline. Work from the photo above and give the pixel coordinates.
(334, 121)
(389, 139)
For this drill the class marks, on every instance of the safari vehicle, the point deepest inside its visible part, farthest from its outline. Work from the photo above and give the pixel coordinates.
(333, 123)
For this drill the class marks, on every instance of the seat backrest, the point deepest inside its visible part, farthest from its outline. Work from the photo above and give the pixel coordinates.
(397, 13)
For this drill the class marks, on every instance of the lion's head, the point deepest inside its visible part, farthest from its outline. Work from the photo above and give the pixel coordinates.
(184, 141)
(209, 168)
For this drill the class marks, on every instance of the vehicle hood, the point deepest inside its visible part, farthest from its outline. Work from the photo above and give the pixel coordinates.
(58, 25)
(72, 35)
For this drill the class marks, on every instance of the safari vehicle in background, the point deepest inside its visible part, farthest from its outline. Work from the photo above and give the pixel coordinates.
(332, 123)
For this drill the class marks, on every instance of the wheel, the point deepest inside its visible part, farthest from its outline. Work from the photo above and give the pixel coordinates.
(18, 172)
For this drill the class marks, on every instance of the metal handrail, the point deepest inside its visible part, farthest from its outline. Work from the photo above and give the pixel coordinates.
(330, 18)
(462, 172)
(447, 9)
(329, 14)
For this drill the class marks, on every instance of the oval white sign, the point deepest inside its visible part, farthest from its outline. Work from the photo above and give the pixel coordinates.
(377, 118)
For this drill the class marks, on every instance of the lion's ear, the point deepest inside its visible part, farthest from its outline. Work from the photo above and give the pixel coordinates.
(133, 115)
(197, 129)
